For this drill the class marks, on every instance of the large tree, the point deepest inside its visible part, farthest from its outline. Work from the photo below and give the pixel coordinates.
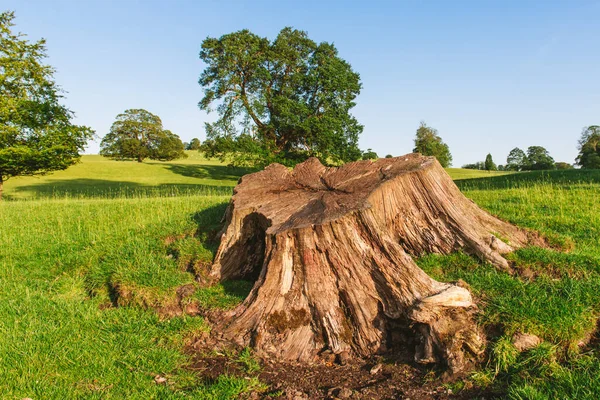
(194, 144)
(589, 148)
(539, 158)
(283, 100)
(517, 160)
(138, 134)
(36, 131)
(489, 164)
(429, 143)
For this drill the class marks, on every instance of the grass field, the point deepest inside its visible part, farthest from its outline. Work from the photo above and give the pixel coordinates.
(106, 233)
(99, 177)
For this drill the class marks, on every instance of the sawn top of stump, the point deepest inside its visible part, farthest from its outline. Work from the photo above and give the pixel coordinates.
(312, 194)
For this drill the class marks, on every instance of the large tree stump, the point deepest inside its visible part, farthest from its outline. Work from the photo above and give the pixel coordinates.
(331, 252)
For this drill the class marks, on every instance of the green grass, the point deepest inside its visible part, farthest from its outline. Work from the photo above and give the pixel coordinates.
(99, 177)
(58, 260)
(461, 173)
(557, 297)
(106, 232)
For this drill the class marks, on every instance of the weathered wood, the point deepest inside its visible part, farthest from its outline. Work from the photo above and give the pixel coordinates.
(331, 252)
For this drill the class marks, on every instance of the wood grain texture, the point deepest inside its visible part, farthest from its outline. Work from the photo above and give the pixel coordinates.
(331, 250)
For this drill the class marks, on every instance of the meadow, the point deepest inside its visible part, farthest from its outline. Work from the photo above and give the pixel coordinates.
(90, 256)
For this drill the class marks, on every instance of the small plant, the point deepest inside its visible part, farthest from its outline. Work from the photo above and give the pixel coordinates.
(247, 359)
(504, 355)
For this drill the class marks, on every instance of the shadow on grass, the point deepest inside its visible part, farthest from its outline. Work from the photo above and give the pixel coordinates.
(210, 221)
(98, 188)
(217, 172)
(527, 179)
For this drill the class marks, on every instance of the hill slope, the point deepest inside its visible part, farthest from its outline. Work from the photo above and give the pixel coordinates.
(99, 177)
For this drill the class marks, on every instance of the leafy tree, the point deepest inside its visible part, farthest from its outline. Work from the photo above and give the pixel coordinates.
(369, 155)
(36, 132)
(138, 134)
(517, 160)
(282, 100)
(501, 167)
(429, 143)
(489, 164)
(539, 158)
(563, 165)
(389, 156)
(194, 144)
(589, 148)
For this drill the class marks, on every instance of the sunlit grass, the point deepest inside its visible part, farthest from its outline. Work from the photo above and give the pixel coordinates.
(99, 177)
(144, 229)
(58, 338)
(557, 294)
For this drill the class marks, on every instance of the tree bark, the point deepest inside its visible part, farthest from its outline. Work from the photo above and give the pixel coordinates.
(331, 252)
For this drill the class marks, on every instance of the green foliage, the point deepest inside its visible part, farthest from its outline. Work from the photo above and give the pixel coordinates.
(247, 359)
(282, 100)
(517, 160)
(589, 148)
(369, 155)
(194, 144)
(429, 143)
(504, 355)
(539, 159)
(36, 133)
(563, 165)
(536, 159)
(489, 164)
(389, 156)
(479, 165)
(138, 134)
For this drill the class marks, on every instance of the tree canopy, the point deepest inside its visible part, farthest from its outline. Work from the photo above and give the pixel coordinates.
(429, 143)
(563, 165)
(36, 131)
(138, 134)
(517, 160)
(539, 158)
(489, 164)
(536, 158)
(283, 100)
(194, 144)
(589, 148)
(370, 155)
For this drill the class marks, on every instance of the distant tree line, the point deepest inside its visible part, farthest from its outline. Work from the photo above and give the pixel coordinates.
(536, 158)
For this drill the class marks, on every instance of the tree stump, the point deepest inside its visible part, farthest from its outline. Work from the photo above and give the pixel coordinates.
(330, 250)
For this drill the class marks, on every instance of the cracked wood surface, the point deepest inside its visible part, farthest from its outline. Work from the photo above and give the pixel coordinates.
(331, 252)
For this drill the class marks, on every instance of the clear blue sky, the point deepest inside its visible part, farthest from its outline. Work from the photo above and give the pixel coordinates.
(489, 75)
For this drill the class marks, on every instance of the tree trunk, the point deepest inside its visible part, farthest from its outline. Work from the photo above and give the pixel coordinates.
(331, 252)
(139, 159)
(1, 187)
